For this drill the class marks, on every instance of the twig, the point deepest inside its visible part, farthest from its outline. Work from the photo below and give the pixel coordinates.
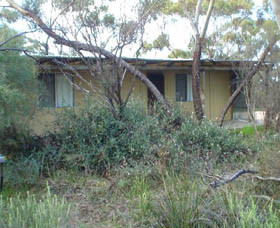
(217, 184)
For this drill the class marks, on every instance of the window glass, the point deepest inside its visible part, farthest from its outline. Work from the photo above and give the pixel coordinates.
(181, 87)
(46, 85)
(63, 91)
(183, 90)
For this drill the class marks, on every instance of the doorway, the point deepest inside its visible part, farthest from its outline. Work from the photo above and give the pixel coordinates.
(158, 80)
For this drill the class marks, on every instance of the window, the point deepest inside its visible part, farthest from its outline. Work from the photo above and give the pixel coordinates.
(56, 91)
(183, 87)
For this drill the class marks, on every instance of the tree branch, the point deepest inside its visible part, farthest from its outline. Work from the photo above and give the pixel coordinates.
(186, 12)
(197, 13)
(239, 173)
(20, 50)
(249, 77)
(209, 12)
(267, 178)
(15, 36)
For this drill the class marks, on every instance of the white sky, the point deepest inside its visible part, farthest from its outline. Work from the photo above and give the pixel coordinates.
(180, 30)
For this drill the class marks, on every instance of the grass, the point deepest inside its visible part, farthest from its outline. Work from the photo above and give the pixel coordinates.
(247, 131)
(31, 211)
(178, 200)
(148, 195)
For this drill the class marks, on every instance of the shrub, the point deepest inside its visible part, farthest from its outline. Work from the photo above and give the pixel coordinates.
(208, 140)
(92, 139)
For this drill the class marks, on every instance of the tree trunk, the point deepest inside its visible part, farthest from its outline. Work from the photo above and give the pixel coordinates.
(197, 104)
(249, 77)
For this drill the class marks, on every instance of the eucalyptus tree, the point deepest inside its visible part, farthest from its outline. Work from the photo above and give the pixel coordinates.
(92, 28)
(199, 15)
(235, 33)
(17, 73)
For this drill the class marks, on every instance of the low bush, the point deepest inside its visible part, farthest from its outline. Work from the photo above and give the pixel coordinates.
(209, 140)
(93, 140)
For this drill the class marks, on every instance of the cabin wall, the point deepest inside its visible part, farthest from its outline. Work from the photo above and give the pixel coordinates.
(217, 93)
(215, 87)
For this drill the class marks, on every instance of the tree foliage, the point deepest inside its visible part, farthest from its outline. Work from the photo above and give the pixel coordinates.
(17, 81)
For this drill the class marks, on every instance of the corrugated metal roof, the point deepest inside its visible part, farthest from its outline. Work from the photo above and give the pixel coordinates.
(148, 60)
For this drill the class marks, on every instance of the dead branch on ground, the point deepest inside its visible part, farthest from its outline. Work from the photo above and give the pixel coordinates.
(218, 183)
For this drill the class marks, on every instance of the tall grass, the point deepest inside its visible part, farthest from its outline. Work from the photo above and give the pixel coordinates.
(187, 203)
(29, 212)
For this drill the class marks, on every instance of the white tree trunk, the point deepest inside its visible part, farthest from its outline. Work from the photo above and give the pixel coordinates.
(276, 10)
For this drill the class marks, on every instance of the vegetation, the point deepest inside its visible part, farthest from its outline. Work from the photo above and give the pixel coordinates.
(116, 166)
(31, 211)
(161, 176)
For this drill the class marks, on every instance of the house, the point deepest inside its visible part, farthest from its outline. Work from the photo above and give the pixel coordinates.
(171, 76)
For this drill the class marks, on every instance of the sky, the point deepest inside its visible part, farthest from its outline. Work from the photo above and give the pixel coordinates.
(181, 28)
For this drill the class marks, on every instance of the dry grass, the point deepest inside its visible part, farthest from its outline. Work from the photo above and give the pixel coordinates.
(97, 206)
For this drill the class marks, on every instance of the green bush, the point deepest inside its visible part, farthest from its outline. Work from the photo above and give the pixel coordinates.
(208, 140)
(30, 212)
(92, 139)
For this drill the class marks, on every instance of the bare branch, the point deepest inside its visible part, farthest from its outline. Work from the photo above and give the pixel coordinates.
(26, 52)
(197, 13)
(13, 49)
(186, 12)
(208, 15)
(239, 173)
(267, 178)
(61, 12)
(77, 74)
(14, 37)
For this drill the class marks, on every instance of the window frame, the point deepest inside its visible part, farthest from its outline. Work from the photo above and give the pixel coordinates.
(54, 95)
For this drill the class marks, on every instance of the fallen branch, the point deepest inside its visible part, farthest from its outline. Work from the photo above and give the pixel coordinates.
(267, 178)
(239, 173)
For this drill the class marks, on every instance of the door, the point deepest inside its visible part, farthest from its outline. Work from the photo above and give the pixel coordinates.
(158, 80)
